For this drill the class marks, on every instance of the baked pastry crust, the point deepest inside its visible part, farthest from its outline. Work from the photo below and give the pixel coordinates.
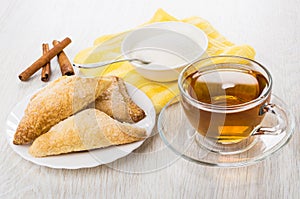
(116, 102)
(88, 129)
(57, 101)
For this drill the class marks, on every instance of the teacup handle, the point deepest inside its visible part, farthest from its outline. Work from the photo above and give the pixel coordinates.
(276, 130)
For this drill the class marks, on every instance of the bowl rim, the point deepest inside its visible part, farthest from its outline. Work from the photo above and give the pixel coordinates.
(173, 67)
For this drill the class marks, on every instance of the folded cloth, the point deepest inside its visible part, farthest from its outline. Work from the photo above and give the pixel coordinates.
(108, 48)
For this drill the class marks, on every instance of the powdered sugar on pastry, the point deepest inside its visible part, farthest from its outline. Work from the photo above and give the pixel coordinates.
(88, 129)
(57, 101)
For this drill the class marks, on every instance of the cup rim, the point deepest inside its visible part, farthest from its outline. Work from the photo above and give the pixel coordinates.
(232, 108)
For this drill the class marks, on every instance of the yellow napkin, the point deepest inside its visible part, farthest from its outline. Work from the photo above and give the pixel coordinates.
(108, 48)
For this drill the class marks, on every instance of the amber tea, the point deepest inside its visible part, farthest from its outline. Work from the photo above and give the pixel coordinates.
(223, 111)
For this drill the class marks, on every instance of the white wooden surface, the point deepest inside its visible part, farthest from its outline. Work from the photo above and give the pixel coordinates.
(272, 27)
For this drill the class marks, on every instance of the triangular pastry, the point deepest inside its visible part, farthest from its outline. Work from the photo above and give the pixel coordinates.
(116, 102)
(86, 130)
(57, 101)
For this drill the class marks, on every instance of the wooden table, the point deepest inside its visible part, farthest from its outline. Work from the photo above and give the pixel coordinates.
(272, 27)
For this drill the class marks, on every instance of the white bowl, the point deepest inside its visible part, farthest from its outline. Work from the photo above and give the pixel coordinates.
(169, 46)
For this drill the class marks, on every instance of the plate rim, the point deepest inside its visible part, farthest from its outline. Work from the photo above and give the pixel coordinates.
(131, 89)
(259, 158)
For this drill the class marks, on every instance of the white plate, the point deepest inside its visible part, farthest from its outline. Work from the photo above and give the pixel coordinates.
(87, 158)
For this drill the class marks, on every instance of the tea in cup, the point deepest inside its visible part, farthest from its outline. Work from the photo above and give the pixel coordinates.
(225, 98)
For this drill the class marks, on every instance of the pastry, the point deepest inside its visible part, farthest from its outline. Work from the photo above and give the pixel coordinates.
(116, 102)
(86, 130)
(57, 101)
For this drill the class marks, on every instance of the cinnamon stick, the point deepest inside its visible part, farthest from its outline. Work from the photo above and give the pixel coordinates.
(46, 69)
(64, 63)
(44, 59)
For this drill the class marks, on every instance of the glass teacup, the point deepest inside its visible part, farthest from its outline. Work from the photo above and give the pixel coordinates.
(225, 99)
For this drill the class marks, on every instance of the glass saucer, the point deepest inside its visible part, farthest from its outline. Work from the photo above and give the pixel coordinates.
(177, 133)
